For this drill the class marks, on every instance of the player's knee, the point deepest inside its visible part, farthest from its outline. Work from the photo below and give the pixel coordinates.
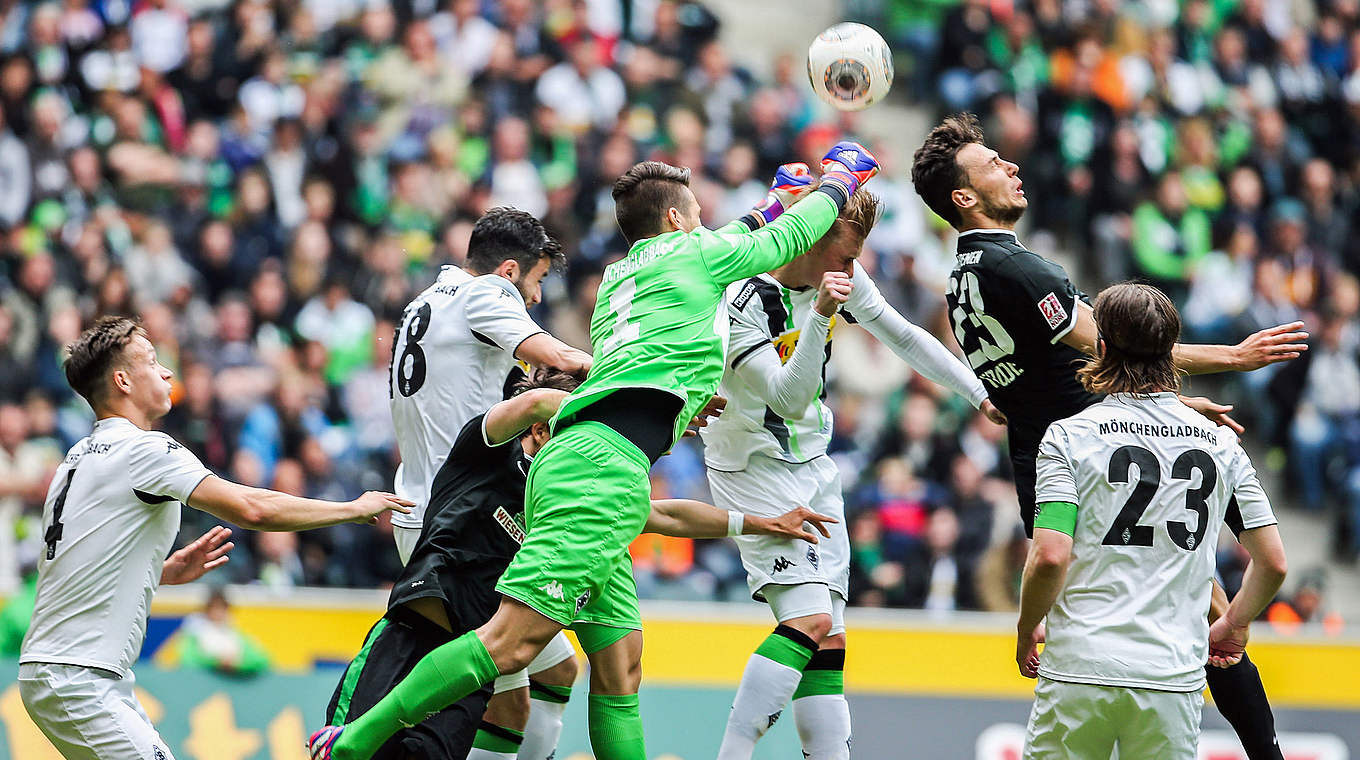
(563, 673)
(834, 641)
(815, 627)
(509, 709)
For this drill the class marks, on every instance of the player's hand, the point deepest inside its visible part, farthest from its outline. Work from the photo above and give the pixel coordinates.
(1227, 642)
(207, 552)
(791, 524)
(833, 293)
(1027, 651)
(374, 503)
(713, 408)
(1216, 412)
(993, 414)
(1273, 344)
(850, 164)
(792, 182)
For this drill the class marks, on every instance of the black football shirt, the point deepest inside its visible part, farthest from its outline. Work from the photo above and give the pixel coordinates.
(473, 526)
(1010, 308)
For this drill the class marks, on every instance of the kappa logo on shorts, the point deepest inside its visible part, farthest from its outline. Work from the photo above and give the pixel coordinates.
(773, 718)
(812, 558)
(781, 564)
(1053, 311)
(581, 601)
(554, 589)
(156, 753)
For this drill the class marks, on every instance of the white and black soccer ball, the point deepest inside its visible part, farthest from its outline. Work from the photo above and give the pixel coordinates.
(850, 66)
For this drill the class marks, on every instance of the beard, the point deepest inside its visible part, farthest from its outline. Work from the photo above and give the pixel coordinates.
(1008, 214)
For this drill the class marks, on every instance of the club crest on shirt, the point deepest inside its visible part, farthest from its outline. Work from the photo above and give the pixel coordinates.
(1053, 311)
(510, 524)
(788, 341)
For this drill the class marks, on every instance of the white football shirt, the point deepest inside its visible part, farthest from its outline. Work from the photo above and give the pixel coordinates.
(764, 313)
(1152, 480)
(110, 519)
(453, 354)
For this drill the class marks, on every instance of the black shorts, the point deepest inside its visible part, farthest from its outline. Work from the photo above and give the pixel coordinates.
(392, 648)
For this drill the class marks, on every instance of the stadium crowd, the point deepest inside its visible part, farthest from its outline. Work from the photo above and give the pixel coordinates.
(268, 182)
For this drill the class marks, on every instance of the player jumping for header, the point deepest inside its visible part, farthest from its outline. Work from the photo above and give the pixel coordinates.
(1023, 326)
(660, 335)
(1132, 492)
(767, 452)
(112, 513)
(473, 527)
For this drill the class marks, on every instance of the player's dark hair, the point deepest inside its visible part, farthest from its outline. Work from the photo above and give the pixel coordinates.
(510, 234)
(1139, 327)
(935, 169)
(547, 377)
(97, 352)
(644, 194)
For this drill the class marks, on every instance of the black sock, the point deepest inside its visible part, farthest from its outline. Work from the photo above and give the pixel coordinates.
(1241, 699)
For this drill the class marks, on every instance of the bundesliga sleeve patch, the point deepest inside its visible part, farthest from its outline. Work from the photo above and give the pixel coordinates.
(1053, 311)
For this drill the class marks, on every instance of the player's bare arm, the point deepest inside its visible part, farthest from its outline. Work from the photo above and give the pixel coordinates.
(1280, 343)
(1045, 572)
(687, 518)
(1265, 574)
(208, 552)
(262, 509)
(508, 419)
(543, 350)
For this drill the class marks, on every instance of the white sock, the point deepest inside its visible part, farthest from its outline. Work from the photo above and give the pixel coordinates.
(823, 722)
(771, 675)
(542, 731)
(494, 743)
(486, 754)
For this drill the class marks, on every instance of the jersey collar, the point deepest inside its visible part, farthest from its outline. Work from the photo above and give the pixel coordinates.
(1164, 398)
(981, 231)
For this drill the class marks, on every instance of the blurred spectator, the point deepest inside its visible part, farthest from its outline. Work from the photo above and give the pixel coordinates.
(208, 640)
(1169, 238)
(1305, 608)
(939, 578)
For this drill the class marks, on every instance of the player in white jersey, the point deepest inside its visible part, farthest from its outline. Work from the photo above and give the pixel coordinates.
(1131, 493)
(767, 452)
(111, 516)
(455, 356)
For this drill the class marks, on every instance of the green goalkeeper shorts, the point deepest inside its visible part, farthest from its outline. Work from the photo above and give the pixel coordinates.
(587, 498)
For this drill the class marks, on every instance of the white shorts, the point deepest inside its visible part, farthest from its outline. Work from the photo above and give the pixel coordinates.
(406, 539)
(769, 488)
(89, 714)
(559, 648)
(1085, 721)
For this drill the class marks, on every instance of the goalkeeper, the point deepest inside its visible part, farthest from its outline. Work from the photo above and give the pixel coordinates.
(660, 337)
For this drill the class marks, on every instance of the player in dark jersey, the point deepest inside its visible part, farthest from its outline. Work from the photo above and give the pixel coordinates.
(472, 529)
(1025, 328)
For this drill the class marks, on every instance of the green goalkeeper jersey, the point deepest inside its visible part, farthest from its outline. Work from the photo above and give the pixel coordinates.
(659, 322)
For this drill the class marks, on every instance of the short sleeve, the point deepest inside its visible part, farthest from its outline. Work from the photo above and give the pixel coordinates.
(161, 469)
(1249, 507)
(747, 332)
(866, 303)
(497, 316)
(1049, 297)
(1055, 478)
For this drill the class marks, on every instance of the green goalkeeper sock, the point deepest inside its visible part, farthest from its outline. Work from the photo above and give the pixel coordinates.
(616, 727)
(441, 678)
(494, 742)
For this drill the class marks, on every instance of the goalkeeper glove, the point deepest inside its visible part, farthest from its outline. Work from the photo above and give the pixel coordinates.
(849, 165)
(791, 183)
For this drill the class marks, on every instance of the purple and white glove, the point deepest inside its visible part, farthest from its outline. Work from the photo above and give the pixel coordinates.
(791, 183)
(850, 165)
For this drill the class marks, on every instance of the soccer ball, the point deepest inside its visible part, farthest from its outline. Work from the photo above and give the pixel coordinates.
(850, 66)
